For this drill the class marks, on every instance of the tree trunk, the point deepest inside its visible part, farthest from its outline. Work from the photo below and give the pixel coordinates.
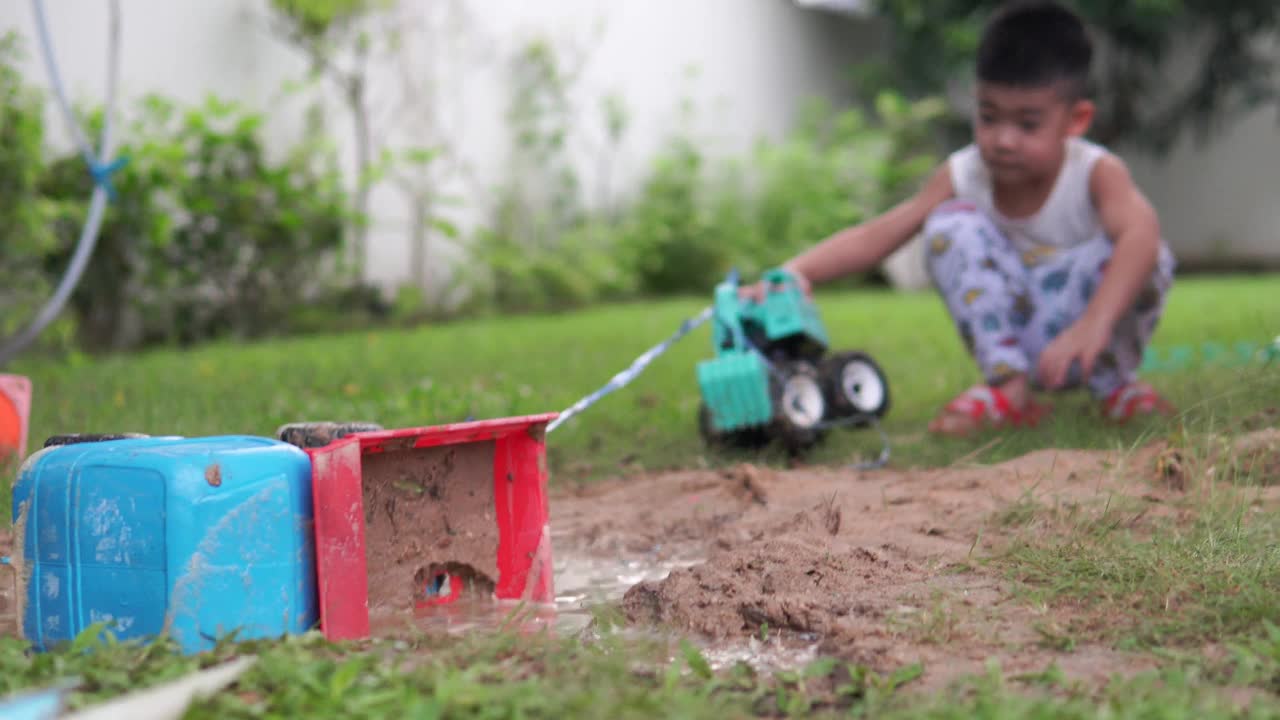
(364, 152)
(418, 245)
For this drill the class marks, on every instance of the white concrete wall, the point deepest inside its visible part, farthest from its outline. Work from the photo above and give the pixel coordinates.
(755, 60)
(1220, 201)
(1217, 201)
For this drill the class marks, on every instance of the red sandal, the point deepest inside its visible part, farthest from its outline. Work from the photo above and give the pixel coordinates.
(987, 406)
(1132, 399)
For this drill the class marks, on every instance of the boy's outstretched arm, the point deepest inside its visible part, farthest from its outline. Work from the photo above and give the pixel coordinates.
(862, 246)
(1131, 223)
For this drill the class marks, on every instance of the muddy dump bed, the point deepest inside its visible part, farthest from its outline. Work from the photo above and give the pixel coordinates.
(416, 517)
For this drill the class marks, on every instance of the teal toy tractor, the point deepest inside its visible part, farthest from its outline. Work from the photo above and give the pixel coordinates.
(772, 377)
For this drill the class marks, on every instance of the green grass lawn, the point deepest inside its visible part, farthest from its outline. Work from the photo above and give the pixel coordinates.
(517, 365)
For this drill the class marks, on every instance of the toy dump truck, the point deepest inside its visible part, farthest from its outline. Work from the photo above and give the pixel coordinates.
(330, 525)
(773, 379)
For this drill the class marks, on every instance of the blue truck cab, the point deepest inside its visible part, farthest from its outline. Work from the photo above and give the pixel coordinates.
(192, 538)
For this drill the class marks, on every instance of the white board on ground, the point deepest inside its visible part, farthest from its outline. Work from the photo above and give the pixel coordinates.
(170, 700)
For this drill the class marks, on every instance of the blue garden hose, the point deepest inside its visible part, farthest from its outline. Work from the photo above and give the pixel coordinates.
(1208, 354)
(101, 166)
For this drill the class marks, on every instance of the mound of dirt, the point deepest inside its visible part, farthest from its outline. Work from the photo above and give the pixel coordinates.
(1259, 453)
(799, 581)
(1253, 457)
(877, 567)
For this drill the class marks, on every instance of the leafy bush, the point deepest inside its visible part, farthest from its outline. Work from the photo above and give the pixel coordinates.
(668, 237)
(25, 239)
(693, 218)
(542, 250)
(1228, 45)
(836, 169)
(578, 267)
(209, 237)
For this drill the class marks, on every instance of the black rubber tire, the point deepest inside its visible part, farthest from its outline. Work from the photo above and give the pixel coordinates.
(81, 438)
(748, 439)
(797, 437)
(318, 434)
(840, 404)
(711, 437)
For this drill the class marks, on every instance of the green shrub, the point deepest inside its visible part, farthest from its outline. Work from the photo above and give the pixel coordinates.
(692, 218)
(209, 237)
(1168, 70)
(668, 237)
(25, 238)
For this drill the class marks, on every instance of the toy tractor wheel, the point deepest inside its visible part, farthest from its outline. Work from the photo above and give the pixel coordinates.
(800, 406)
(722, 440)
(78, 438)
(710, 435)
(318, 434)
(855, 387)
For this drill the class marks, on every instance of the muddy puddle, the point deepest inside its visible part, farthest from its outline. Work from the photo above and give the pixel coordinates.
(582, 584)
(585, 586)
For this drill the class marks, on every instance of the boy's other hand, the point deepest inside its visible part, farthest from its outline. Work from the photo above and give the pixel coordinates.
(751, 293)
(806, 287)
(1084, 341)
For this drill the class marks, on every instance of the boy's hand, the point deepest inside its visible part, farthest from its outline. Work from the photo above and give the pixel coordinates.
(752, 293)
(756, 291)
(1083, 341)
(863, 246)
(1131, 223)
(802, 282)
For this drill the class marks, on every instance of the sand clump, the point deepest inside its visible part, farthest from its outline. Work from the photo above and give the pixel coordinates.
(1252, 457)
(798, 582)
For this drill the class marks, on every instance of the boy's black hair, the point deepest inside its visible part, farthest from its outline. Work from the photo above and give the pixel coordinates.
(1034, 43)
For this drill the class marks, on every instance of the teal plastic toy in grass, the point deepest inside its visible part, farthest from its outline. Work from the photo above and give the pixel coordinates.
(772, 377)
(1185, 357)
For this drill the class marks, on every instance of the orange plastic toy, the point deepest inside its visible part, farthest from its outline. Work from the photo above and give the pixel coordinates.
(15, 413)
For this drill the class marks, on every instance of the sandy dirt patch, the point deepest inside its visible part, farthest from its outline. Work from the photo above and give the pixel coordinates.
(881, 568)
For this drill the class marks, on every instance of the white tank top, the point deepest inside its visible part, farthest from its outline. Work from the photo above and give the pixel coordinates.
(1067, 217)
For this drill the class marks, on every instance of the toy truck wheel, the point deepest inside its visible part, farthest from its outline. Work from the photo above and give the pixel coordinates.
(78, 438)
(712, 437)
(722, 440)
(318, 434)
(800, 406)
(855, 387)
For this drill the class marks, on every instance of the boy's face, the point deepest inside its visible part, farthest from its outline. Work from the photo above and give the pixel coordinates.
(1020, 131)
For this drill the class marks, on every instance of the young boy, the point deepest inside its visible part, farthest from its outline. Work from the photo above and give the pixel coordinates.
(1049, 259)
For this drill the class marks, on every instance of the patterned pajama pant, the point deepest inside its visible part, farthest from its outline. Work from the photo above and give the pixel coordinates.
(1008, 306)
